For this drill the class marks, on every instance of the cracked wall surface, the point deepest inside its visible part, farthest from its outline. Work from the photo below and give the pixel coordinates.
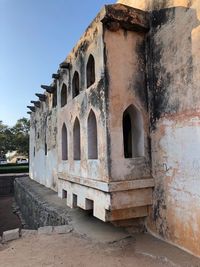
(43, 129)
(174, 114)
(173, 87)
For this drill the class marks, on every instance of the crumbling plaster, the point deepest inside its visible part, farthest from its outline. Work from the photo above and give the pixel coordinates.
(92, 98)
(174, 110)
(167, 96)
(125, 52)
(43, 168)
(173, 48)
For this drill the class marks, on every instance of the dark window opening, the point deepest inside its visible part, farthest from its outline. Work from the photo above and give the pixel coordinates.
(76, 140)
(45, 149)
(64, 143)
(54, 103)
(75, 85)
(74, 201)
(92, 136)
(64, 194)
(127, 132)
(133, 133)
(90, 71)
(63, 95)
(89, 204)
(34, 152)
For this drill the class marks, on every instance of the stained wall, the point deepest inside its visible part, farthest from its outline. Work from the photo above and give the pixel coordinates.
(173, 47)
(174, 116)
(171, 115)
(125, 55)
(43, 132)
(92, 98)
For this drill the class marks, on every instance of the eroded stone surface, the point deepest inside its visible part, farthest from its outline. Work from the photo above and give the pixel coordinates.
(10, 235)
(45, 230)
(27, 232)
(62, 229)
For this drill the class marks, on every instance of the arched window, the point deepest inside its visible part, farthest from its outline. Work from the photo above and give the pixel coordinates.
(45, 148)
(90, 71)
(133, 133)
(92, 136)
(76, 140)
(75, 84)
(63, 95)
(64, 143)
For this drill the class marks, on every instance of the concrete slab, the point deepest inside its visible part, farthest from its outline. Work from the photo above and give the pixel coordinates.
(45, 230)
(62, 229)
(148, 245)
(85, 224)
(27, 232)
(10, 235)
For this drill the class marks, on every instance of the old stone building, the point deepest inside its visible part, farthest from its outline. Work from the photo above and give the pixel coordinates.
(117, 131)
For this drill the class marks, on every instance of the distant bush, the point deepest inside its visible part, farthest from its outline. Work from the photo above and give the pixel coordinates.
(13, 164)
(14, 168)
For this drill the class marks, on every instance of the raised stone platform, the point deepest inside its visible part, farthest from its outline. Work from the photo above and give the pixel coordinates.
(41, 206)
(7, 183)
(109, 201)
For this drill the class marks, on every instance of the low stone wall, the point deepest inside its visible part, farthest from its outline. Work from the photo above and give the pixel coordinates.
(39, 205)
(7, 183)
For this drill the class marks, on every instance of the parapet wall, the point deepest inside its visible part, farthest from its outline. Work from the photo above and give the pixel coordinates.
(38, 204)
(7, 183)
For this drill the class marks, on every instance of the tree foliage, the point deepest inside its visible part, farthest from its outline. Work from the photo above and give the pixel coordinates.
(15, 138)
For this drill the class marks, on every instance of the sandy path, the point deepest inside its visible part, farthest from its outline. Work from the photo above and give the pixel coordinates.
(73, 250)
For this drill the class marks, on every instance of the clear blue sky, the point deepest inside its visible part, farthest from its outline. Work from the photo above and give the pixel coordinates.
(35, 36)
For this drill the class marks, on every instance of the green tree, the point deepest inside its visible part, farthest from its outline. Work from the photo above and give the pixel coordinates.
(15, 138)
(6, 139)
(20, 133)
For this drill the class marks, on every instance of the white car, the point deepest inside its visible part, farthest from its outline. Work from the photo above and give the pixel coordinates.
(19, 161)
(3, 161)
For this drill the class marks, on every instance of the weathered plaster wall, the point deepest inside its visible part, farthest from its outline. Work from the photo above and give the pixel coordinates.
(125, 54)
(174, 74)
(43, 168)
(174, 99)
(159, 4)
(140, 4)
(92, 98)
(172, 112)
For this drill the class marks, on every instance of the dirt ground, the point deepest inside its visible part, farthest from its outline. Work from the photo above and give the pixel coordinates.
(72, 250)
(92, 243)
(8, 220)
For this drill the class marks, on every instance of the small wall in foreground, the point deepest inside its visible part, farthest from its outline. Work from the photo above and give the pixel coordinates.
(38, 204)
